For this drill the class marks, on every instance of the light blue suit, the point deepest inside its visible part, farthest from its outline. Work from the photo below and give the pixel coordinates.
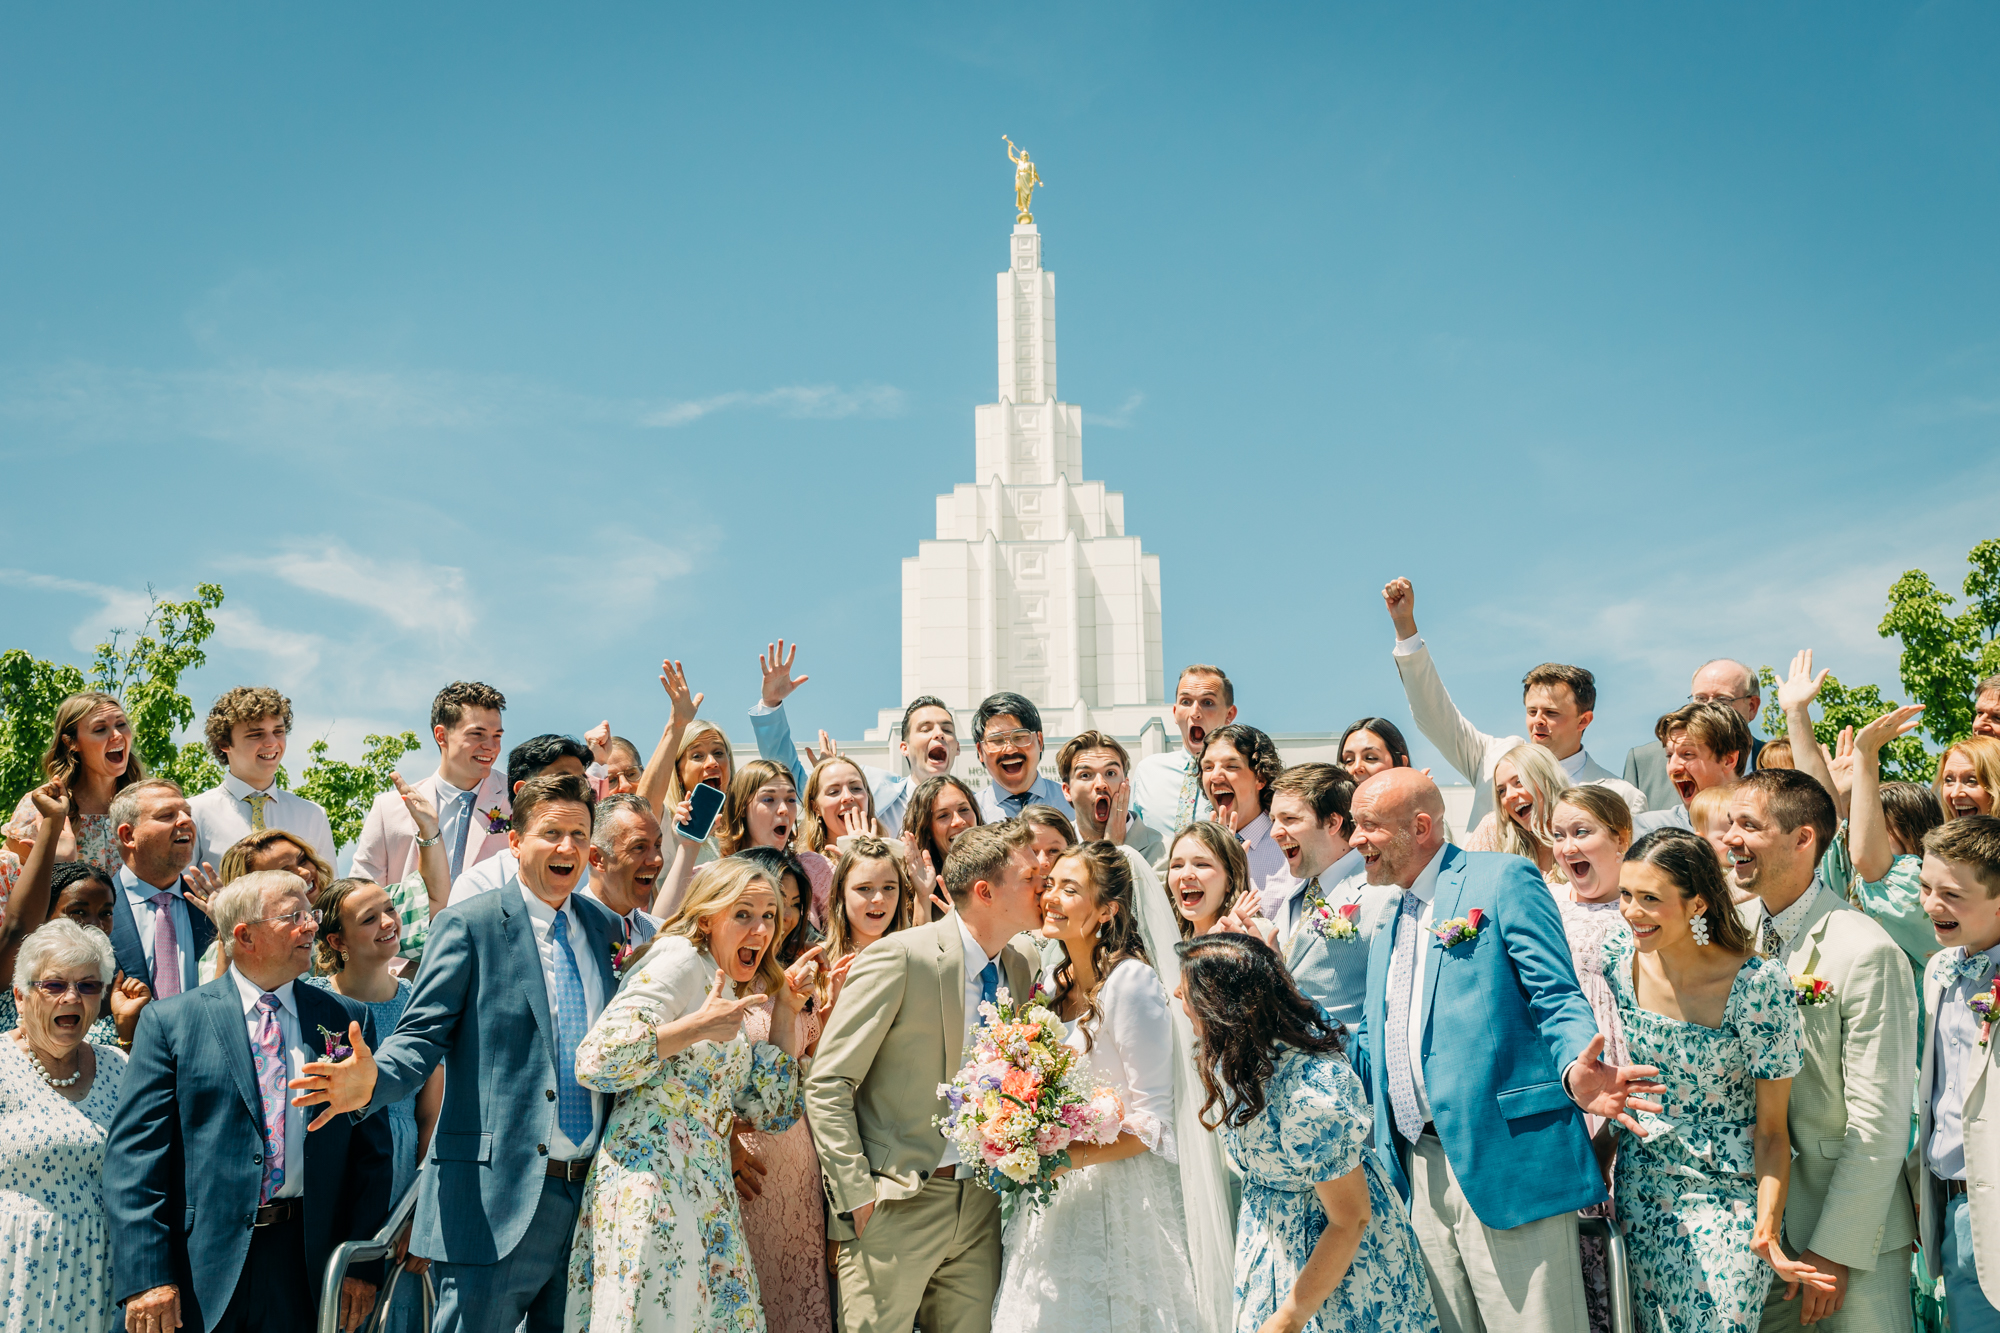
(1503, 1018)
(1334, 973)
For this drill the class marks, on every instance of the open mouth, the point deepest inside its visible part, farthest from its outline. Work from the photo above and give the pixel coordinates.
(782, 831)
(69, 1022)
(1643, 932)
(1964, 805)
(1686, 788)
(113, 758)
(1292, 851)
(1192, 900)
(1523, 809)
(562, 869)
(1196, 732)
(1224, 801)
(646, 879)
(746, 957)
(180, 838)
(1943, 925)
(1579, 870)
(1013, 765)
(934, 754)
(1102, 809)
(876, 917)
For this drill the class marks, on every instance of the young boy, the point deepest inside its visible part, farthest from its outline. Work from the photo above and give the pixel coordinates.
(1166, 788)
(1093, 767)
(246, 732)
(1957, 1137)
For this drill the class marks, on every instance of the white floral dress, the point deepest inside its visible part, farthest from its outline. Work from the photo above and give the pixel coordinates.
(1316, 1126)
(659, 1243)
(55, 1247)
(1687, 1192)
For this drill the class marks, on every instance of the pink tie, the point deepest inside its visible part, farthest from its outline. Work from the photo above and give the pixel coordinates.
(166, 947)
(272, 1073)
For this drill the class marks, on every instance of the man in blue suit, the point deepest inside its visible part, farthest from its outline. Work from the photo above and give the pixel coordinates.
(222, 1212)
(1480, 1056)
(150, 915)
(510, 983)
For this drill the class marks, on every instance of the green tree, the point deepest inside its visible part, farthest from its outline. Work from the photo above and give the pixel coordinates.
(344, 790)
(1946, 655)
(1903, 759)
(30, 689)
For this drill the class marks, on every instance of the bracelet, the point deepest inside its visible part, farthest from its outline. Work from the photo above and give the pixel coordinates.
(431, 842)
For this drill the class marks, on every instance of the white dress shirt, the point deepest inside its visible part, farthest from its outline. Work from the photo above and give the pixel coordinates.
(543, 918)
(494, 871)
(1270, 872)
(138, 895)
(1424, 890)
(1958, 1058)
(1339, 884)
(976, 959)
(222, 819)
(295, 1055)
(1156, 790)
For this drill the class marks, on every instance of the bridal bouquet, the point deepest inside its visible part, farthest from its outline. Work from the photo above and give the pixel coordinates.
(1023, 1097)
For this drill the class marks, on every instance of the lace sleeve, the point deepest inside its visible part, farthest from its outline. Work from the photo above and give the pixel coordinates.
(1140, 1029)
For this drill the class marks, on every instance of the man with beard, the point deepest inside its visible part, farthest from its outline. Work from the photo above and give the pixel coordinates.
(1166, 787)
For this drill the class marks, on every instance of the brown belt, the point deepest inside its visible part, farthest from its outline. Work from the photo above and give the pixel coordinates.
(570, 1171)
(948, 1173)
(1952, 1188)
(279, 1210)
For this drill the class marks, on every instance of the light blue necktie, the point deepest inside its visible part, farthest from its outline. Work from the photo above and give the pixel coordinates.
(462, 817)
(1965, 965)
(574, 1115)
(989, 982)
(1396, 1050)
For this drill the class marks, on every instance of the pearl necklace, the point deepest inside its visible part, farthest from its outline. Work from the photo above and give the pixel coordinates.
(51, 1079)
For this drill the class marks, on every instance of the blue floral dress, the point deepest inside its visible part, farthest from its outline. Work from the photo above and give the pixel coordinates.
(659, 1239)
(1687, 1193)
(1315, 1127)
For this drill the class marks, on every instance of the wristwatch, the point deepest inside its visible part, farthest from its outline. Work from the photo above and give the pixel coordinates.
(431, 842)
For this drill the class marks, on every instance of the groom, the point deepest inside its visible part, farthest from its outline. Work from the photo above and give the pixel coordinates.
(919, 1236)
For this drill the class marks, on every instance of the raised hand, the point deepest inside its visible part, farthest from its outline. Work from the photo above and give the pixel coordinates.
(800, 979)
(343, 1087)
(422, 812)
(828, 747)
(682, 814)
(719, 1019)
(598, 738)
(1400, 597)
(127, 996)
(1892, 724)
(51, 802)
(1244, 919)
(675, 682)
(1607, 1090)
(776, 665)
(1121, 805)
(921, 869)
(1801, 687)
(199, 883)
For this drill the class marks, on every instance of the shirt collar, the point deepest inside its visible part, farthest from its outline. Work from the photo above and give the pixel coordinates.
(1253, 833)
(241, 790)
(1425, 887)
(139, 888)
(1574, 764)
(541, 911)
(447, 792)
(250, 990)
(1788, 922)
(973, 948)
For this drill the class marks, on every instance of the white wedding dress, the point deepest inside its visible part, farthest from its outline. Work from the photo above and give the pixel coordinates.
(1110, 1250)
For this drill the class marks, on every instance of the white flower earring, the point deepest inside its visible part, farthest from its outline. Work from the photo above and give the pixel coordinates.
(1699, 928)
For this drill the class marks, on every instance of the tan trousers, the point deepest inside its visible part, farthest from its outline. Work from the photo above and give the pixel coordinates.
(932, 1260)
(1877, 1301)
(1526, 1279)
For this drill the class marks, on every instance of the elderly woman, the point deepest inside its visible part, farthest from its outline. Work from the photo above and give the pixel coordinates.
(57, 1095)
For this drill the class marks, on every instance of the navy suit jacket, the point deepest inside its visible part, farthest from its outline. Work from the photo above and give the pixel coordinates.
(1503, 1018)
(481, 1005)
(183, 1165)
(132, 958)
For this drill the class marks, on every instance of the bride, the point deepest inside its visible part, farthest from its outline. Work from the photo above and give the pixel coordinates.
(1110, 1250)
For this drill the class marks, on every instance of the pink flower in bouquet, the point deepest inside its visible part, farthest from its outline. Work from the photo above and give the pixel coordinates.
(1103, 1116)
(1050, 1139)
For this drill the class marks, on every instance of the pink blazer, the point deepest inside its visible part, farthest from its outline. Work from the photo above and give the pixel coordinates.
(387, 849)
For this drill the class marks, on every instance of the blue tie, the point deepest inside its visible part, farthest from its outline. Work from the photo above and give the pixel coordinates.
(1972, 965)
(462, 817)
(1396, 1052)
(989, 982)
(574, 1115)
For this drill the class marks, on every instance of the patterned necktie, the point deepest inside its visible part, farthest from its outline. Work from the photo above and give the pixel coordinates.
(462, 817)
(574, 1115)
(1768, 943)
(989, 982)
(1972, 965)
(257, 800)
(1396, 1031)
(272, 1073)
(1190, 793)
(166, 947)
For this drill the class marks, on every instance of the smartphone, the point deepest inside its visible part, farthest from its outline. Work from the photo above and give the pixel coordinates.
(704, 804)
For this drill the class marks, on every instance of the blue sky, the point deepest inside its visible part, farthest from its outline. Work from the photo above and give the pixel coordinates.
(533, 343)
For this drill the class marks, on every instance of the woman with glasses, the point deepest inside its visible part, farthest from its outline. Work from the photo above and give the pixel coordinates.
(58, 1090)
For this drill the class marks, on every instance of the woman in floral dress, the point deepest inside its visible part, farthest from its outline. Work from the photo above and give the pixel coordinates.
(659, 1242)
(1311, 1185)
(1702, 1196)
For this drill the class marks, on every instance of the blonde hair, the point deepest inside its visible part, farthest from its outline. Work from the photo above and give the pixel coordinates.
(64, 756)
(676, 791)
(236, 861)
(732, 829)
(865, 850)
(1984, 754)
(1545, 780)
(1605, 806)
(719, 887)
(1710, 804)
(814, 835)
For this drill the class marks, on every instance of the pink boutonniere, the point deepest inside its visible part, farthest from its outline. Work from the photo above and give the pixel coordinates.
(1460, 929)
(1811, 990)
(1334, 923)
(1983, 1005)
(496, 822)
(621, 958)
(336, 1049)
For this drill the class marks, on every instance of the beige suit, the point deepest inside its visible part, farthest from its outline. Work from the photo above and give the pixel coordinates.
(1849, 1200)
(930, 1253)
(1982, 1149)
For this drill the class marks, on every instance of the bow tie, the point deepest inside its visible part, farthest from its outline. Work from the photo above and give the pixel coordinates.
(1973, 965)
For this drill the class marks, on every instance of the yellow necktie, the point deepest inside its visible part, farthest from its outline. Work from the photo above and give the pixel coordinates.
(257, 800)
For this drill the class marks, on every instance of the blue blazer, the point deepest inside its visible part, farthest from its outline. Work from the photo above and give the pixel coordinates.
(183, 1165)
(481, 1005)
(132, 958)
(1503, 1017)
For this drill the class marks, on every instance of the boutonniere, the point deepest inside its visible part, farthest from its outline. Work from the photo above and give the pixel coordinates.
(336, 1049)
(1460, 929)
(1330, 922)
(1983, 1005)
(496, 822)
(621, 958)
(1811, 990)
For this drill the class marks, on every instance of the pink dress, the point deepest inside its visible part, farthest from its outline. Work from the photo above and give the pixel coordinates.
(785, 1226)
(820, 871)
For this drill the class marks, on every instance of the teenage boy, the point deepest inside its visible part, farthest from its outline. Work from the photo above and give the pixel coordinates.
(1325, 947)
(470, 798)
(246, 732)
(1957, 1140)
(1166, 787)
(1007, 734)
(928, 741)
(1560, 701)
(1704, 744)
(1093, 768)
(533, 758)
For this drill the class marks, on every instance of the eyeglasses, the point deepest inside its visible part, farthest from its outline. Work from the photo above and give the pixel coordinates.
(56, 990)
(305, 916)
(1008, 740)
(1718, 698)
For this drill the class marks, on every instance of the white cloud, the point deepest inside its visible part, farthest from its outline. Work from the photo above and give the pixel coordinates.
(118, 608)
(411, 594)
(1120, 419)
(822, 402)
(294, 657)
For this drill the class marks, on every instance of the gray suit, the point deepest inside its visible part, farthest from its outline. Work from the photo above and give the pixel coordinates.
(1334, 973)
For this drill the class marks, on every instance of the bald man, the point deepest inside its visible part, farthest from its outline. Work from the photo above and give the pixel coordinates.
(1481, 1056)
(1723, 681)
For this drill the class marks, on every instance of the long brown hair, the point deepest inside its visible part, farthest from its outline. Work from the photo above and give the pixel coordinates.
(732, 829)
(329, 902)
(1235, 863)
(917, 818)
(236, 861)
(64, 757)
(814, 835)
(1110, 880)
(1688, 859)
(1247, 1006)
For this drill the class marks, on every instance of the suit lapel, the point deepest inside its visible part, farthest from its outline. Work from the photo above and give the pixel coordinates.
(1815, 931)
(1444, 906)
(951, 992)
(232, 1035)
(125, 945)
(201, 930)
(527, 955)
(596, 931)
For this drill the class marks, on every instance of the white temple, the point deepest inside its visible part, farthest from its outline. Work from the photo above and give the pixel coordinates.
(1032, 583)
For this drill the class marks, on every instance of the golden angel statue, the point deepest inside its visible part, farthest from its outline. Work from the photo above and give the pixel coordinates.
(1025, 180)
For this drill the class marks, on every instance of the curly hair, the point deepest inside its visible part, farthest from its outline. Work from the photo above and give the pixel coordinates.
(1246, 1006)
(1260, 756)
(1109, 876)
(448, 709)
(245, 703)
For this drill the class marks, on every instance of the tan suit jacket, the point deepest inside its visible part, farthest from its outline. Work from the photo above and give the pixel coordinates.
(1982, 1148)
(386, 851)
(896, 1032)
(1850, 1111)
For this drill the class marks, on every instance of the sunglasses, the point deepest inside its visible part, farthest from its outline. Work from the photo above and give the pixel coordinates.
(56, 990)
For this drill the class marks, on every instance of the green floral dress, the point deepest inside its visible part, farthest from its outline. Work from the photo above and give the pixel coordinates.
(659, 1240)
(1687, 1193)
